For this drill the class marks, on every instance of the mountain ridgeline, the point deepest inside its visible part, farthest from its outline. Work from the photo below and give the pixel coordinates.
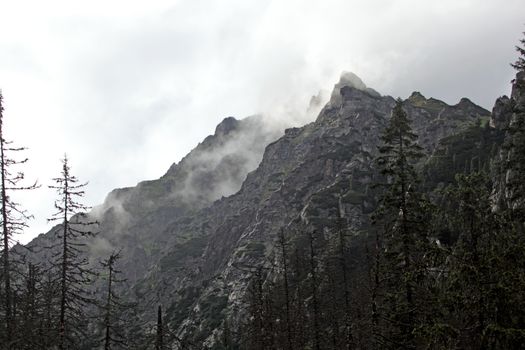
(264, 240)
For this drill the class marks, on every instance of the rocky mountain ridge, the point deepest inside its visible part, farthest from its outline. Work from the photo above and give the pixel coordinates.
(190, 238)
(307, 175)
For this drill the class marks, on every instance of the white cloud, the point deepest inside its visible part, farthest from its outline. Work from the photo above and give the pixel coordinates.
(127, 88)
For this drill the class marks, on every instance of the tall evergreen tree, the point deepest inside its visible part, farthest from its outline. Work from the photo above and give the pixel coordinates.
(69, 261)
(402, 212)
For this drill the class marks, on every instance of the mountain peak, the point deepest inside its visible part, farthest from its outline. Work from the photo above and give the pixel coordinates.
(416, 96)
(348, 85)
(226, 126)
(465, 102)
(351, 80)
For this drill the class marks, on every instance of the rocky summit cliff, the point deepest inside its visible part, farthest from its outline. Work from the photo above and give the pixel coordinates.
(190, 239)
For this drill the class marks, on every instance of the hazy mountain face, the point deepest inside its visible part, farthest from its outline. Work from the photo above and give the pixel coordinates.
(189, 238)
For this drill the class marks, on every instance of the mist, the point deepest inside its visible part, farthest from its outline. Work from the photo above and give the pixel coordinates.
(127, 90)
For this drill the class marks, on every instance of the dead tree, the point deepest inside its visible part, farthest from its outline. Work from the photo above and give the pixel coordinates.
(13, 220)
(113, 308)
(69, 260)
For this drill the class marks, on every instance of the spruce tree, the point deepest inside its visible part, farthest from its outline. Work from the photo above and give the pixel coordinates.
(69, 260)
(402, 212)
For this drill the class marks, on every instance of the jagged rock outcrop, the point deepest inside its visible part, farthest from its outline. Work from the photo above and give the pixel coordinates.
(504, 106)
(504, 116)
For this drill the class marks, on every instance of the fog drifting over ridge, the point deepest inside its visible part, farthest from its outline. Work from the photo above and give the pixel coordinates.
(126, 89)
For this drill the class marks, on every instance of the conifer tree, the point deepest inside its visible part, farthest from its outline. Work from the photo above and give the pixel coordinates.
(519, 65)
(48, 327)
(35, 311)
(113, 307)
(401, 211)
(468, 282)
(30, 308)
(13, 219)
(375, 280)
(69, 261)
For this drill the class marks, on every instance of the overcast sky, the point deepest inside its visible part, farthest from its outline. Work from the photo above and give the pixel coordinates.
(126, 88)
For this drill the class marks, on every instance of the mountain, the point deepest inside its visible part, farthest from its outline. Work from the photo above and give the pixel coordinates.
(191, 239)
(132, 218)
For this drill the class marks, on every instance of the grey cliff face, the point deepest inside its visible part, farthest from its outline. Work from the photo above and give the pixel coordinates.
(504, 106)
(192, 236)
(503, 116)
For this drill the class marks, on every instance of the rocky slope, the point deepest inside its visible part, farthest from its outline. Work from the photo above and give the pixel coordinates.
(133, 218)
(190, 238)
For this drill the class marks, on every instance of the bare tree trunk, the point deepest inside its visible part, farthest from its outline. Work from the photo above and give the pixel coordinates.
(63, 280)
(5, 227)
(107, 340)
(159, 341)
